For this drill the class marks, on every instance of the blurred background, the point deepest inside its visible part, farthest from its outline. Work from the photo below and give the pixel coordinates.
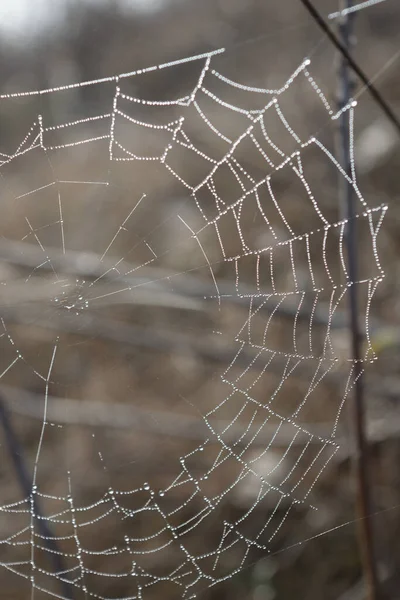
(172, 385)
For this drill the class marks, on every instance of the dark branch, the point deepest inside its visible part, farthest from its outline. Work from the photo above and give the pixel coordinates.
(17, 456)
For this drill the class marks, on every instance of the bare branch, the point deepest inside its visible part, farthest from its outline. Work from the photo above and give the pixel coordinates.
(92, 413)
(204, 347)
(160, 286)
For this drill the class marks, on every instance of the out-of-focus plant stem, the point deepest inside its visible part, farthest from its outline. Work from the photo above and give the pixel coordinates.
(348, 208)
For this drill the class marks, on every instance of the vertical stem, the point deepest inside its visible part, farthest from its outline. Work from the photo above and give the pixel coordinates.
(347, 200)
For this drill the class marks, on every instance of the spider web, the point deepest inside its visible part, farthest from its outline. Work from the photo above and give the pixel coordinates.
(229, 167)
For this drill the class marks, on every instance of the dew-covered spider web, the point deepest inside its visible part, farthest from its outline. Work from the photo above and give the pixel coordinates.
(184, 222)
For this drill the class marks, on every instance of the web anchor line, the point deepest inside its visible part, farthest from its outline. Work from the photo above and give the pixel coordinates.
(341, 47)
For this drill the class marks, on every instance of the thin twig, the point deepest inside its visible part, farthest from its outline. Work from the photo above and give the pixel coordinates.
(150, 285)
(110, 414)
(17, 454)
(208, 348)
